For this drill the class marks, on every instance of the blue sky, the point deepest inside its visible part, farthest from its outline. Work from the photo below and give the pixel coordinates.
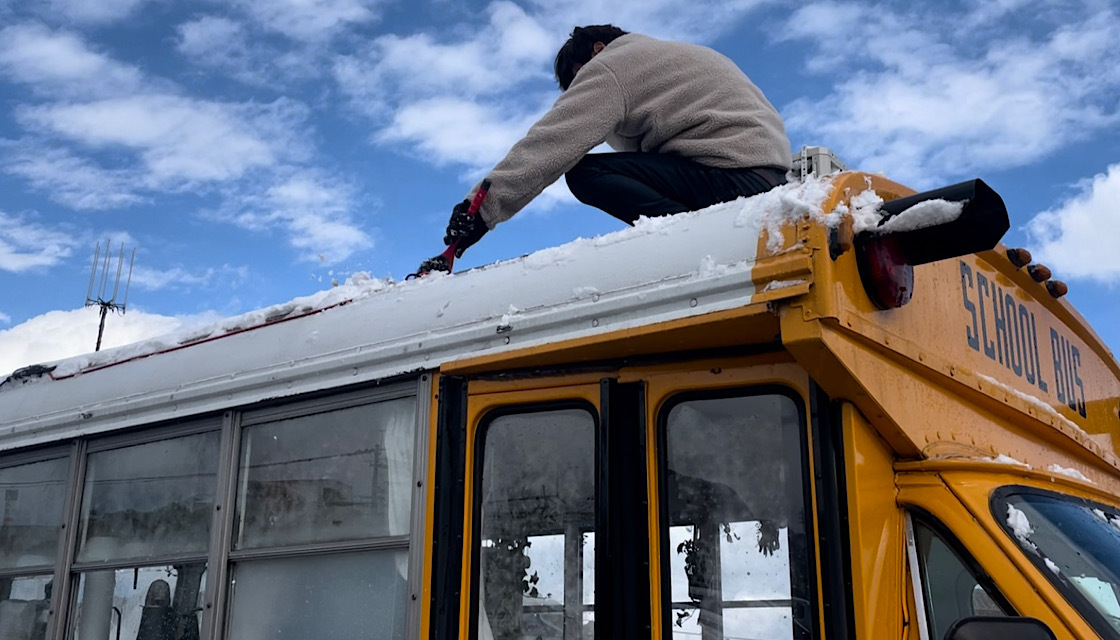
(252, 151)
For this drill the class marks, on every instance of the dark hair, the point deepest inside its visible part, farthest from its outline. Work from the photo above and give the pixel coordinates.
(579, 49)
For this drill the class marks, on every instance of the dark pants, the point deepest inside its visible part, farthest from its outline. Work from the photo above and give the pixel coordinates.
(627, 185)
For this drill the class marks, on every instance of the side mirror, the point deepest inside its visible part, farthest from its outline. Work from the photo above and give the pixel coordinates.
(999, 628)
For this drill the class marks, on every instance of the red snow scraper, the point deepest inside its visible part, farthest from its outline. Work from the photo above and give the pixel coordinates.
(445, 260)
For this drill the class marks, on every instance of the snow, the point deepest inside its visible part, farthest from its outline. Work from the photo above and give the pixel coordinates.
(1112, 520)
(371, 329)
(1020, 526)
(867, 214)
(1036, 403)
(1052, 567)
(775, 285)
(1069, 473)
(1008, 460)
(929, 213)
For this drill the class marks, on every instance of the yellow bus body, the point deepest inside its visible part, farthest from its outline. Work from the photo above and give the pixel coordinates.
(982, 381)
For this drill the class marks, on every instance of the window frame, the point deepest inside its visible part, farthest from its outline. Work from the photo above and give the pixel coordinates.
(809, 595)
(478, 463)
(916, 516)
(998, 503)
(69, 571)
(412, 543)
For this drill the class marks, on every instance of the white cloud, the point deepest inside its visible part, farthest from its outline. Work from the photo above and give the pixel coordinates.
(96, 11)
(396, 70)
(485, 132)
(464, 96)
(63, 334)
(214, 40)
(182, 278)
(62, 63)
(315, 211)
(5, 318)
(26, 245)
(696, 21)
(70, 180)
(923, 104)
(1079, 238)
(228, 46)
(309, 20)
(179, 141)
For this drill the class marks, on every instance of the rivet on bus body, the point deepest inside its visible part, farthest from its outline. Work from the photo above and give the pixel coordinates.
(594, 297)
(507, 339)
(693, 302)
(594, 323)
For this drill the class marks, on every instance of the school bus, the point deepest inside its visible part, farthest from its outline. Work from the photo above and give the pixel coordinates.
(762, 420)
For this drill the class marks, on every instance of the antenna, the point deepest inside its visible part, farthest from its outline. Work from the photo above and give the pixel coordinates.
(102, 284)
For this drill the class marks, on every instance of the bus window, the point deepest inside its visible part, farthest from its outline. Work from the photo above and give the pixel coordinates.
(1075, 543)
(307, 483)
(952, 587)
(536, 498)
(141, 504)
(736, 560)
(31, 501)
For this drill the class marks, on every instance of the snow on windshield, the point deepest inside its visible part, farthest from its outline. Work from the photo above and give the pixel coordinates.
(1020, 526)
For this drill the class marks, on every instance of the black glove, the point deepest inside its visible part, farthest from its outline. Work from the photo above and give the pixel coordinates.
(465, 228)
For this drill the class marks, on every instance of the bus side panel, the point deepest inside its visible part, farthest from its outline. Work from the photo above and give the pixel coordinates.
(876, 530)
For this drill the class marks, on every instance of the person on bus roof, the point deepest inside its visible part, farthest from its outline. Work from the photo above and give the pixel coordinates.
(690, 128)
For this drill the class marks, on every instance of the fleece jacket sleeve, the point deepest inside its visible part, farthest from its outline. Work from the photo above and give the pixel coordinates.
(581, 119)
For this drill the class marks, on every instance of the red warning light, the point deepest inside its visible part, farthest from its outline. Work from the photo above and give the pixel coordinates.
(887, 278)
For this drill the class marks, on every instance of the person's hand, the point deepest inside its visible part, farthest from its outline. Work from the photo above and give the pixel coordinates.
(464, 228)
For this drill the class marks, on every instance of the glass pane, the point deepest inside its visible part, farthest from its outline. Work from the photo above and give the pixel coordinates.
(145, 603)
(1079, 544)
(361, 596)
(25, 604)
(149, 500)
(736, 518)
(31, 505)
(338, 475)
(536, 561)
(951, 590)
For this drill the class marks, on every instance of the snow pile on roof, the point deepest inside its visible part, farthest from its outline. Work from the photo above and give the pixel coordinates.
(586, 269)
(359, 285)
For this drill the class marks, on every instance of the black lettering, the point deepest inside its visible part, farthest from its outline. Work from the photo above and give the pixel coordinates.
(982, 286)
(1077, 380)
(1067, 360)
(1059, 376)
(1030, 351)
(1042, 385)
(972, 335)
(1014, 343)
(999, 316)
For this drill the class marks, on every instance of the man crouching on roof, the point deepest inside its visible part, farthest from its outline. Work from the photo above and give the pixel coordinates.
(690, 128)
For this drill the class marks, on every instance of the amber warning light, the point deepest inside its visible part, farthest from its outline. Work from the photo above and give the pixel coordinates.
(886, 259)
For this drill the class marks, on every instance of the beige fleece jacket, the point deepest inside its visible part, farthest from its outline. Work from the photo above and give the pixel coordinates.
(643, 94)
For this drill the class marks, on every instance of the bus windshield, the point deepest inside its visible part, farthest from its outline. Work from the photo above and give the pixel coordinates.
(1076, 544)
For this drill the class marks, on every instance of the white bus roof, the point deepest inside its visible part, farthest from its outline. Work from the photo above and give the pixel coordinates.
(365, 330)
